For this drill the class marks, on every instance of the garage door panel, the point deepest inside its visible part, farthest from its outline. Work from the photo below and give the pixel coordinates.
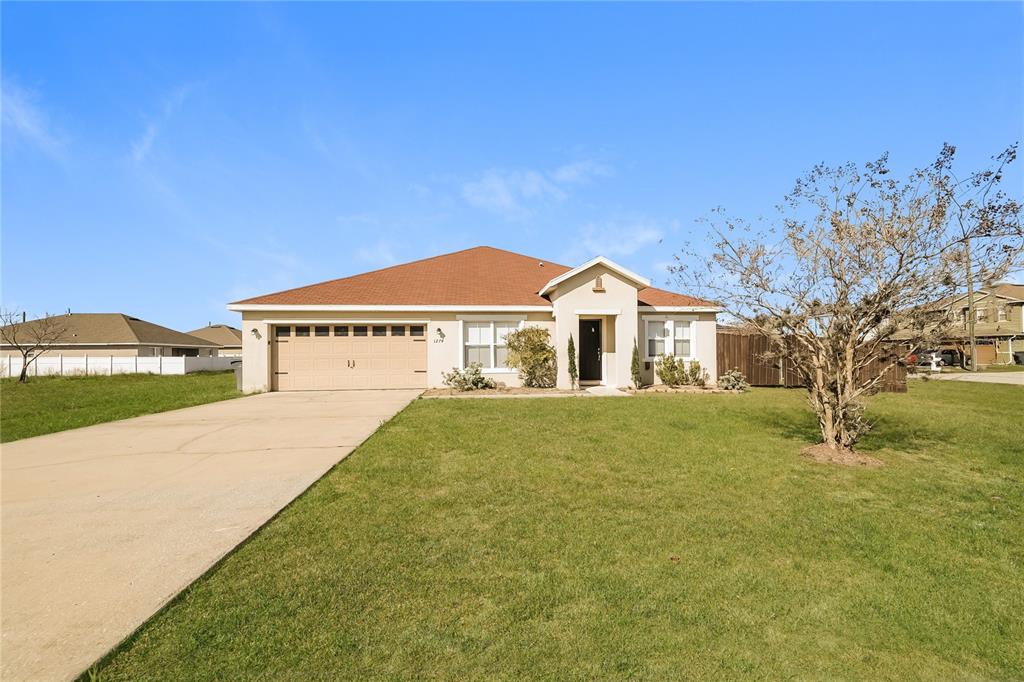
(349, 362)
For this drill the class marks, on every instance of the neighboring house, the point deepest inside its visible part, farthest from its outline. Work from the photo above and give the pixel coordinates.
(402, 326)
(120, 335)
(227, 338)
(998, 323)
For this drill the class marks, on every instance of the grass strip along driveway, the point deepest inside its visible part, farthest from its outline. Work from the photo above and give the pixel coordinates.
(664, 537)
(50, 404)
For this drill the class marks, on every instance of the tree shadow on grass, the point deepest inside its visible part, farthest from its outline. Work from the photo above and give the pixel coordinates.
(887, 433)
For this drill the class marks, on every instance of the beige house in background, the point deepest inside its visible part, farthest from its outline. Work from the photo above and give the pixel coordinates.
(998, 323)
(227, 338)
(403, 326)
(120, 335)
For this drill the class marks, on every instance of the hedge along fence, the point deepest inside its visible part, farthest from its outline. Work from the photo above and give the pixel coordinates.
(68, 365)
(746, 351)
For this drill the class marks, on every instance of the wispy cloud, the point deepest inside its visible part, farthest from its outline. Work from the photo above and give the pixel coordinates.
(580, 172)
(142, 146)
(511, 192)
(24, 118)
(380, 254)
(615, 239)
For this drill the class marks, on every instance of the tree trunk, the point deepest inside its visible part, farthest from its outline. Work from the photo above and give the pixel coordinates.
(970, 305)
(23, 379)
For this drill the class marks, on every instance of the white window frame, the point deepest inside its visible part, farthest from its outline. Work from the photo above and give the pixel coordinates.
(670, 340)
(492, 319)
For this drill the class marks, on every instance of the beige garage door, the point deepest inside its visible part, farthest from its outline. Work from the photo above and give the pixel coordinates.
(322, 358)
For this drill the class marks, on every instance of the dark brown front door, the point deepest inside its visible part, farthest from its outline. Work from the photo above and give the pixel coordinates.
(590, 350)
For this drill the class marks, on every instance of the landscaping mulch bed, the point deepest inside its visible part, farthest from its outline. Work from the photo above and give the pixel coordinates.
(825, 455)
(679, 389)
(500, 391)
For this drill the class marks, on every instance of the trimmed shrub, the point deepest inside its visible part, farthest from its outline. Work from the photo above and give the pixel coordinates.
(469, 379)
(733, 380)
(696, 375)
(574, 375)
(671, 372)
(634, 366)
(530, 351)
(677, 372)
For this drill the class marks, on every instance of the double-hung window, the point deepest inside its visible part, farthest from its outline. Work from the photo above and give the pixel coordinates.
(657, 332)
(669, 337)
(484, 343)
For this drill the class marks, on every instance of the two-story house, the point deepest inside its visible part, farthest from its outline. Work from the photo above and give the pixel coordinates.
(998, 322)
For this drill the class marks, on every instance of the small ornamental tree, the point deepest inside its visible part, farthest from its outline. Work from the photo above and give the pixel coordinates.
(530, 351)
(574, 374)
(852, 267)
(31, 338)
(634, 366)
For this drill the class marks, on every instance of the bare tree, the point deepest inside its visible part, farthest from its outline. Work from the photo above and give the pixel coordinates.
(842, 273)
(982, 217)
(31, 338)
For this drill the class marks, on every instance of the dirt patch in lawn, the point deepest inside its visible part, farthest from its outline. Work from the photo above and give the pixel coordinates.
(825, 455)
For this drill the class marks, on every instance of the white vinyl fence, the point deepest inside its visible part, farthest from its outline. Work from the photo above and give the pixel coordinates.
(67, 365)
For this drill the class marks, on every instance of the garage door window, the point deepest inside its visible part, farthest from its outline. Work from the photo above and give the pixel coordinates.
(380, 331)
(302, 331)
(283, 331)
(416, 330)
(341, 330)
(398, 330)
(359, 331)
(322, 331)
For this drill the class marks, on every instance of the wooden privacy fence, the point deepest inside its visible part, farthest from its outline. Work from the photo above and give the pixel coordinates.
(746, 352)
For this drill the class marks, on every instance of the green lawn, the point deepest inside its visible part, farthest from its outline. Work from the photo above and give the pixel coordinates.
(655, 537)
(48, 404)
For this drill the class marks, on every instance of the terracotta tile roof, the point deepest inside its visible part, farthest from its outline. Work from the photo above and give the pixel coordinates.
(657, 297)
(482, 275)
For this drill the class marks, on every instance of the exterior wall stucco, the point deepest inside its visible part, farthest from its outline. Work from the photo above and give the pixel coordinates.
(443, 334)
(575, 299)
(705, 342)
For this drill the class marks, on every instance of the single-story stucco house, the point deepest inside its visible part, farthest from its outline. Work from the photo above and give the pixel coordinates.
(403, 326)
(118, 335)
(227, 338)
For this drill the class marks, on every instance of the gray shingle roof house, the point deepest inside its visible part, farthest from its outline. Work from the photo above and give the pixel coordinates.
(228, 338)
(122, 335)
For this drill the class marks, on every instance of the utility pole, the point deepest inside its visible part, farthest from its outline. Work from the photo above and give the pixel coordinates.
(970, 305)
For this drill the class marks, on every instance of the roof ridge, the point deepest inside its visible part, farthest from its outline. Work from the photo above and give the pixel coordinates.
(399, 265)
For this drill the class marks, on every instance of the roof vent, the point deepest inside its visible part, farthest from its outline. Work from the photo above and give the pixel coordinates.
(541, 264)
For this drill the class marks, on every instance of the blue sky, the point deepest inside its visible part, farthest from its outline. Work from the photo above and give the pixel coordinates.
(163, 159)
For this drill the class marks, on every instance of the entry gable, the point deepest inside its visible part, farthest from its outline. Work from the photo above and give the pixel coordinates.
(637, 281)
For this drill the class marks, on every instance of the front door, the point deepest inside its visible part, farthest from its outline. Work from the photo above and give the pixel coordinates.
(590, 350)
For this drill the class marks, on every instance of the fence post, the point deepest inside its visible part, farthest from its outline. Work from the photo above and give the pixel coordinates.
(160, 365)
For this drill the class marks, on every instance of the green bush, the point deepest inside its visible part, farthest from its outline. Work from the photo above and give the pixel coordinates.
(696, 375)
(469, 379)
(674, 371)
(530, 351)
(733, 380)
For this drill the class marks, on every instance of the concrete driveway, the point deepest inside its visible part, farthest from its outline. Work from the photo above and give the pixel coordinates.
(983, 377)
(103, 525)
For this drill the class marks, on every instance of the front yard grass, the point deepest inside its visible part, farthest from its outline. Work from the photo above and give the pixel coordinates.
(654, 537)
(49, 404)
